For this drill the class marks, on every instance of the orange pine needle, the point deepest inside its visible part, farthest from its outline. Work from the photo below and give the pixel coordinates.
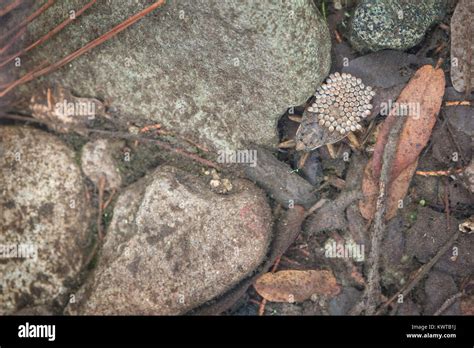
(438, 172)
(456, 103)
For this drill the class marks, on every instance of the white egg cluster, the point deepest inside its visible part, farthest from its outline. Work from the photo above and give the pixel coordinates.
(342, 101)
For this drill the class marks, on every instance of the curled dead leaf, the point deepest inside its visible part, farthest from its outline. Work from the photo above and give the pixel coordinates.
(419, 102)
(296, 286)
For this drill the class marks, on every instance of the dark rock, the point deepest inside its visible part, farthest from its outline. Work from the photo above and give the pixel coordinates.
(438, 288)
(381, 24)
(331, 216)
(343, 302)
(385, 69)
(408, 307)
(429, 234)
(280, 181)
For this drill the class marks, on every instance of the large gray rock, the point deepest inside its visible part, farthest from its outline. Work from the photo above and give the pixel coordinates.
(392, 24)
(44, 216)
(462, 46)
(173, 244)
(221, 72)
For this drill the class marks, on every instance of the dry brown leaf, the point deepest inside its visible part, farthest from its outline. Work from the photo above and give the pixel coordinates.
(422, 98)
(398, 190)
(296, 286)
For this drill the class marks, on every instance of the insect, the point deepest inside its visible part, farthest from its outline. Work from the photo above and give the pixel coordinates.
(340, 104)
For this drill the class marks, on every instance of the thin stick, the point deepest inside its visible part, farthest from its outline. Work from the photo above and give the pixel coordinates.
(124, 135)
(107, 202)
(12, 41)
(372, 293)
(28, 19)
(439, 172)
(448, 303)
(457, 103)
(10, 7)
(101, 203)
(420, 273)
(315, 207)
(94, 43)
(48, 35)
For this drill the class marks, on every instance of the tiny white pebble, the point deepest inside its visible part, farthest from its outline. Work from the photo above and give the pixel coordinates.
(331, 128)
(353, 128)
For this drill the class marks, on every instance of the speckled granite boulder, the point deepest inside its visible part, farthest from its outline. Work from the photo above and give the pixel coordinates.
(173, 244)
(219, 71)
(43, 218)
(392, 24)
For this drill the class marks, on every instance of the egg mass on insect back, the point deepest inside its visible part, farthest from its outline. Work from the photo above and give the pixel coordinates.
(340, 104)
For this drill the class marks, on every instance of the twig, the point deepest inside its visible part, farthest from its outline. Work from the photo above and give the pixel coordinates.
(315, 207)
(457, 103)
(101, 189)
(12, 41)
(447, 205)
(439, 172)
(425, 268)
(107, 202)
(26, 21)
(372, 293)
(92, 44)
(48, 35)
(186, 139)
(420, 273)
(10, 7)
(124, 135)
(448, 303)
